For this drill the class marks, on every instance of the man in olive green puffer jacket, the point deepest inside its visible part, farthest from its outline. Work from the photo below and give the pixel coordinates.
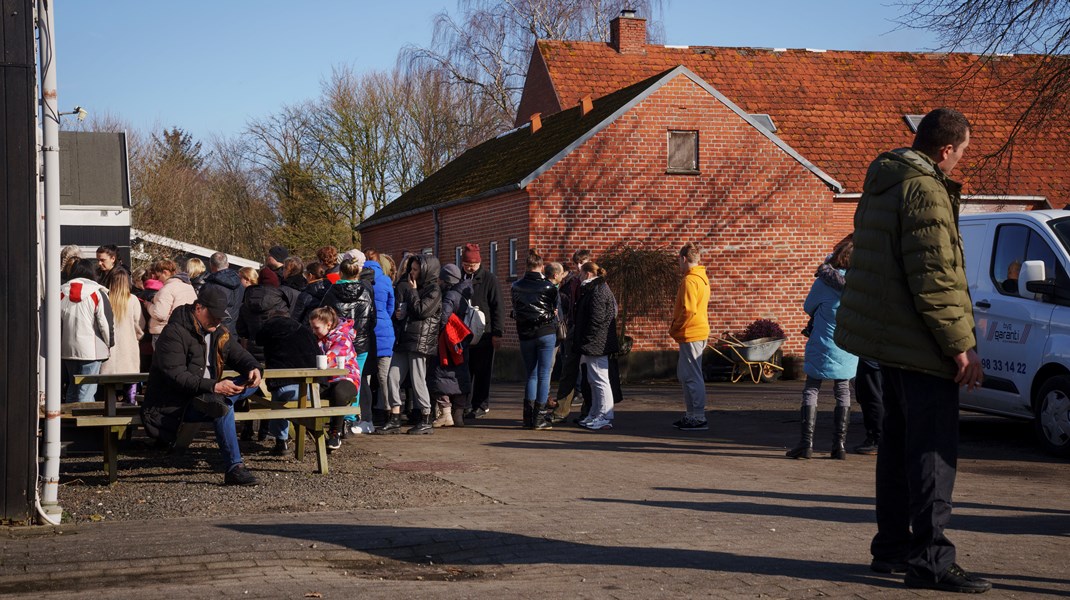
(906, 305)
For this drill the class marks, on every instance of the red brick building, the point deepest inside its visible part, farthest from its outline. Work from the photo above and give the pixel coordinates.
(758, 155)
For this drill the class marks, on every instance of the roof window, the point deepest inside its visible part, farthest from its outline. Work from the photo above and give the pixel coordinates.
(913, 121)
(765, 121)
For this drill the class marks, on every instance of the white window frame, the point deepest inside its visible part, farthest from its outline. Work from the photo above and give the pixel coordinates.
(493, 256)
(512, 257)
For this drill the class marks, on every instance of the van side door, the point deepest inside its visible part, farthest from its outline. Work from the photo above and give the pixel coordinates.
(1011, 330)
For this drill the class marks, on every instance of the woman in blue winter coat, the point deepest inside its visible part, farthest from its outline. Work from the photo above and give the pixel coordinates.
(375, 374)
(824, 359)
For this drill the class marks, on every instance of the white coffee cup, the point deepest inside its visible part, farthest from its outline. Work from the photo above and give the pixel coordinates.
(341, 362)
(321, 361)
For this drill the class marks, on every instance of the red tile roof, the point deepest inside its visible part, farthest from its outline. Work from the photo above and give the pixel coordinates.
(840, 109)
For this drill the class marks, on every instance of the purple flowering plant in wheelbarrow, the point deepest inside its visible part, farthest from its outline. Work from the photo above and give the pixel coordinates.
(755, 351)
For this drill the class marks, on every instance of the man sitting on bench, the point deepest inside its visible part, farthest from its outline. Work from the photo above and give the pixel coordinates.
(186, 385)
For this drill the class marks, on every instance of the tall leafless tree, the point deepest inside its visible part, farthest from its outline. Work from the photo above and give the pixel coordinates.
(996, 28)
(486, 46)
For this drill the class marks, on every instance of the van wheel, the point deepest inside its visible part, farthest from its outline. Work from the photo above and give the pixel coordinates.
(1052, 416)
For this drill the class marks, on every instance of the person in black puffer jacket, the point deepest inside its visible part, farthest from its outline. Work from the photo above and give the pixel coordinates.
(595, 339)
(535, 311)
(416, 319)
(312, 295)
(450, 381)
(354, 300)
(261, 301)
(287, 344)
(186, 381)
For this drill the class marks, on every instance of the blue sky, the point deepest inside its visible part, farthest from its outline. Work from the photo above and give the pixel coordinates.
(209, 66)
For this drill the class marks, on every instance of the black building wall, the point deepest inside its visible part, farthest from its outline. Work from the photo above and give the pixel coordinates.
(18, 263)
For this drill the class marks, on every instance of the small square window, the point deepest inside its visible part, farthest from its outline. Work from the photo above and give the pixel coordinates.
(512, 257)
(493, 265)
(683, 152)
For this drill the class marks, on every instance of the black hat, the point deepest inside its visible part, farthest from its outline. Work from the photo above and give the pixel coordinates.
(215, 301)
(279, 253)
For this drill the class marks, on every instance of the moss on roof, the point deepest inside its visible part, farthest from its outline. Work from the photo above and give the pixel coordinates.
(502, 163)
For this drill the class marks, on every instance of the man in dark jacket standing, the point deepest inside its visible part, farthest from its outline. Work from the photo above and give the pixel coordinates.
(227, 280)
(906, 305)
(485, 295)
(185, 381)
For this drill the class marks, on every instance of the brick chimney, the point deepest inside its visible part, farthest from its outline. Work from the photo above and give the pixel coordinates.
(627, 33)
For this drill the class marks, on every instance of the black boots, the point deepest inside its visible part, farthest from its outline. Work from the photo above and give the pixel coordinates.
(840, 418)
(393, 424)
(424, 427)
(529, 413)
(458, 416)
(543, 419)
(805, 449)
(869, 446)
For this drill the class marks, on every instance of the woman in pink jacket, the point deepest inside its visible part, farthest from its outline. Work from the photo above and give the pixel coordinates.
(176, 291)
(336, 341)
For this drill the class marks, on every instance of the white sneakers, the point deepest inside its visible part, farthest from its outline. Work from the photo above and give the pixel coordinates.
(359, 427)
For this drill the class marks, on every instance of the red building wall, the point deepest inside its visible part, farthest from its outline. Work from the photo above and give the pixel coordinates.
(764, 221)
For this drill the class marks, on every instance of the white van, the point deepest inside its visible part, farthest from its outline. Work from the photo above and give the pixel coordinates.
(1017, 265)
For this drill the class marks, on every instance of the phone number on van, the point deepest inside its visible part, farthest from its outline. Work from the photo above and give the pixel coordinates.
(1003, 366)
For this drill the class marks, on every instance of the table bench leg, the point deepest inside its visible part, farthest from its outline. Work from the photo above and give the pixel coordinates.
(320, 433)
(299, 442)
(111, 453)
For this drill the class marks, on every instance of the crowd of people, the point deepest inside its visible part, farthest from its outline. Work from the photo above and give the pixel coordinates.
(416, 340)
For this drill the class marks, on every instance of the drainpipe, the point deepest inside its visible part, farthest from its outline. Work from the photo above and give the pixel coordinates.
(438, 230)
(50, 150)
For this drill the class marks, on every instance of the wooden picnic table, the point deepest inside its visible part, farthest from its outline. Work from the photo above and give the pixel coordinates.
(307, 413)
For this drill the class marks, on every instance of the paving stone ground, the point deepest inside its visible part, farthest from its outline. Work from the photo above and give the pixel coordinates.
(642, 511)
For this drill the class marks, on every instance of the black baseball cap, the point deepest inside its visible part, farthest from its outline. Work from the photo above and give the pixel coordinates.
(215, 301)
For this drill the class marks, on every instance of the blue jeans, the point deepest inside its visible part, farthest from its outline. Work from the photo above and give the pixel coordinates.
(280, 428)
(538, 355)
(226, 434)
(87, 391)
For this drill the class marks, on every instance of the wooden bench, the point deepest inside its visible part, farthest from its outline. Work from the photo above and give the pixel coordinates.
(307, 413)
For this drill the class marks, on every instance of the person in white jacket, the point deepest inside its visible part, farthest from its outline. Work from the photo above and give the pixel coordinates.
(87, 330)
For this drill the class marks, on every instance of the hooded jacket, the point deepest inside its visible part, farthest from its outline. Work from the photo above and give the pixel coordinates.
(452, 378)
(384, 307)
(178, 370)
(906, 303)
(353, 300)
(261, 303)
(596, 320)
(417, 314)
(310, 298)
(690, 316)
(87, 326)
(229, 283)
(175, 292)
(824, 359)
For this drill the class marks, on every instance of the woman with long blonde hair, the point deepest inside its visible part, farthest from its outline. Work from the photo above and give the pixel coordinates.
(129, 323)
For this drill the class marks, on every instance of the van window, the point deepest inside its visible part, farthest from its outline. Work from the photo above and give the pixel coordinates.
(1016, 244)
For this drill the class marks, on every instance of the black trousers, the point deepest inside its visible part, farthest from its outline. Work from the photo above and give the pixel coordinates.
(916, 462)
(480, 367)
(869, 395)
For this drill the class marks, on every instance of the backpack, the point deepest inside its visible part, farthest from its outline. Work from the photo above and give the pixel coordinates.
(475, 321)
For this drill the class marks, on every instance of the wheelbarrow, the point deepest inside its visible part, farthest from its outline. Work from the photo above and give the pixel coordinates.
(758, 358)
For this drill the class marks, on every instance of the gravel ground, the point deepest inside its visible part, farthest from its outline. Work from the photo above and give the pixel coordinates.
(154, 485)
